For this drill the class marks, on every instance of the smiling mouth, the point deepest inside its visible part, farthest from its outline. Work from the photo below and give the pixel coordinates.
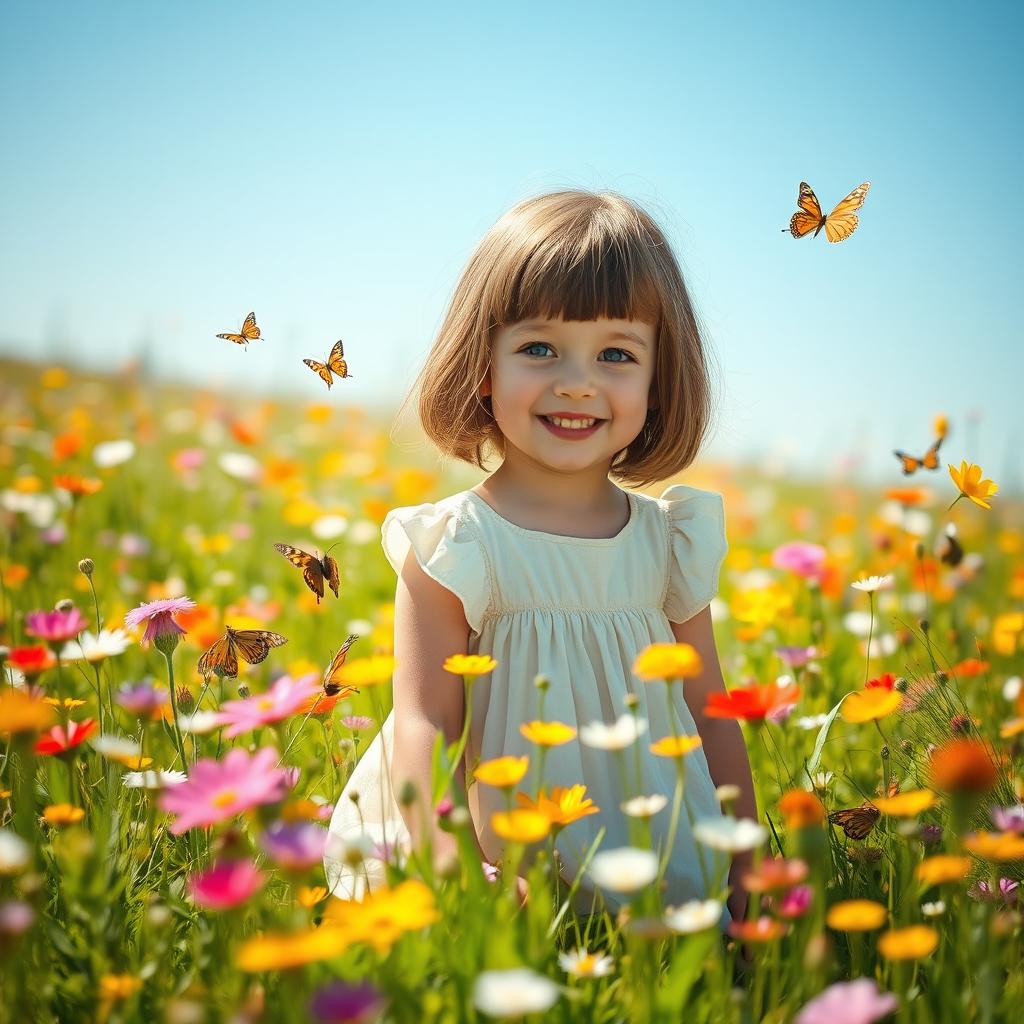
(573, 422)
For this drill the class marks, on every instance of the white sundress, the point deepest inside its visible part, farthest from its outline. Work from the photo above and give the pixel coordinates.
(578, 610)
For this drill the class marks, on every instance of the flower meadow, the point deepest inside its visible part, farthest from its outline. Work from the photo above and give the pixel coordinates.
(162, 832)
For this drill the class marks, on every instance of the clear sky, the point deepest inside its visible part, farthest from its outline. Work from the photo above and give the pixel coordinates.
(167, 168)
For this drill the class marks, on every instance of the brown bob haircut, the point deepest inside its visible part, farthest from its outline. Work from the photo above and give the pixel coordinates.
(577, 255)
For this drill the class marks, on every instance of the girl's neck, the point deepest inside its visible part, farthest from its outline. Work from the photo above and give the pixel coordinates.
(532, 492)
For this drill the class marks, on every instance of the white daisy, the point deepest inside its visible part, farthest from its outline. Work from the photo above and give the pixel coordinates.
(625, 869)
(812, 721)
(199, 723)
(871, 584)
(936, 909)
(153, 780)
(15, 853)
(644, 806)
(1012, 688)
(116, 747)
(582, 964)
(730, 834)
(113, 453)
(727, 792)
(95, 648)
(240, 465)
(622, 734)
(694, 916)
(514, 993)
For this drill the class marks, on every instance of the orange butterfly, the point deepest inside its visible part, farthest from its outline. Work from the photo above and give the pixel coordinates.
(838, 225)
(253, 645)
(930, 459)
(335, 362)
(314, 569)
(331, 688)
(857, 822)
(250, 332)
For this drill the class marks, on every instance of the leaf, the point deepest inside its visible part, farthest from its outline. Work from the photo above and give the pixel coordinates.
(811, 766)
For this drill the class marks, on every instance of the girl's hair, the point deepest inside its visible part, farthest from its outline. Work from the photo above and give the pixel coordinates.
(579, 255)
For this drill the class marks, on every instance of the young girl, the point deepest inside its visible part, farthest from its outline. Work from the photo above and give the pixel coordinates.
(572, 351)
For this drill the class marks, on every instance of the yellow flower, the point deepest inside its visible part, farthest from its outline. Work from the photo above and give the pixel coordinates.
(384, 915)
(1006, 632)
(906, 805)
(668, 661)
(1011, 727)
(675, 746)
(563, 807)
(116, 987)
(968, 480)
(942, 868)
(547, 734)
(908, 943)
(521, 826)
(870, 705)
(995, 846)
(376, 669)
(856, 916)
(310, 895)
(20, 712)
(70, 703)
(502, 771)
(62, 814)
(275, 952)
(470, 664)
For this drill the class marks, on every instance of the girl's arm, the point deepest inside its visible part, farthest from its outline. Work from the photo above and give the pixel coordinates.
(430, 626)
(721, 738)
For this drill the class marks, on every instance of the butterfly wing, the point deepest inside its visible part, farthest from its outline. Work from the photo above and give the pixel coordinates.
(219, 658)
(236, 338)
(254, 644)
(336, 360)
(310, 566)
(842, 221)
(808, 217)
(910, 463)
(249, 329)
(321, 369)
(856, 822)
(931, 457)
(330, 687)
(329, 568)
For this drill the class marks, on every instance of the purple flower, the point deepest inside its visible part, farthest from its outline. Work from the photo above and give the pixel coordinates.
(848, 1002)
(780, 713)
(796, 657)
(339, 1003)
(798, 556)
(930, 834)
(55, 627)
(981, 890)
(297, 846)
(142, 698)
(16, 917)
(1008, 819)
(159, 617)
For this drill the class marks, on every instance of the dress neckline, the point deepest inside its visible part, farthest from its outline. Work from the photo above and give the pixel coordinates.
(561, 538)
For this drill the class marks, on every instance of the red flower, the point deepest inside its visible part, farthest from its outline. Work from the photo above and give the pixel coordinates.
(751, 703)
(883, 682)
(60, 741)
(970, 667)
(31, 660)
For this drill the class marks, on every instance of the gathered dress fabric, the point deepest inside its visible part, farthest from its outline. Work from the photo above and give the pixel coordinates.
(577, 610)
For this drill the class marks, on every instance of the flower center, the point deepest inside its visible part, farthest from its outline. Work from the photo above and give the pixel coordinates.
(225, 798)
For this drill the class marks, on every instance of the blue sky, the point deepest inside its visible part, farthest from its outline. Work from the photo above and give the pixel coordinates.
(167, 169)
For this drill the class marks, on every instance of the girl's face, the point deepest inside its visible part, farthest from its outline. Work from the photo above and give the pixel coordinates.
(576, 370)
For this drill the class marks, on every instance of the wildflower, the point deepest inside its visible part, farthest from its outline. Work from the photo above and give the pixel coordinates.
(775, 873)
(283, 699)
(94, 648)
(751, 703)
(547, 734)
(969, 483)
(872, 584)
(801, 809)
(969, 667)
(963, 765)
(668, 661)
(806, 560)
(159, 619)
(60, 740)
(644, 806)
(357, 723)
(199, 723)
(77, 486)
(942, 868)
(15, 853)
(623, 733)
(796, 657)
(339, 1003)
(675, 746)
(856, 916)
(729, 834)
(372, 671)
(906, 805)
(624, 869)
(502, 771)
(563, 807)
(119, 748)
(217, 790)
(764, 929)
(727, 793)
(809, 722)
(513, 993)
(919, 940)
(1002, 846)
(693, 916)
(521, 826)
(470, 664)
(1008, 819)
(113, 453)
(62, 814)
(277, 952)
(31, 661)
(55, 627)
(1008, 890)
(298, 846)
(115, 988)
(143, 699)
(870, 705)
(22, 712)
(16, 917)
(848, 1002)
(309, 896)
(886, 681)
(153, 779)
(796, 902)
(581, 964)
(225, 885)
(934, 909)
(385, 914)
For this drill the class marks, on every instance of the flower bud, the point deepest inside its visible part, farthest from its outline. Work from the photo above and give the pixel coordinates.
(65, 604)
(900, 684)
(631, 700)
(925, 625)
(941, 678)
(186, 702)
(86, 567)
(243, 691)
(885, 751)
(166, 642)
(907, 747)
(354, 796)
(459, 817)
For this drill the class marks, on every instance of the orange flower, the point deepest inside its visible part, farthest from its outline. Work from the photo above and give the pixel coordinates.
(776, 873)
(502, 771)
(563, 807)
(856, 916)
(522, 826)
(66, 445)
(995, 846)
(547, 734)
(963, 765)
(764, 929)
(77, 485)
(675, 746)
(871, 704)
(801, 808)
(942, 868)
(908, 943)
(751, 703)
(668, 661)
(62, 814)
(969, 667)
(21, 712)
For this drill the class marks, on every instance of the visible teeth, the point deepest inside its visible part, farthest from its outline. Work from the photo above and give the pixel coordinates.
(572, 424)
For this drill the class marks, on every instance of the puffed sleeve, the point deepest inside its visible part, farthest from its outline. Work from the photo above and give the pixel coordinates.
(447, 550)
(697, 547)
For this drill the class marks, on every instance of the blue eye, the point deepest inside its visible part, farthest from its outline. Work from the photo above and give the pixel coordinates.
(622, 352)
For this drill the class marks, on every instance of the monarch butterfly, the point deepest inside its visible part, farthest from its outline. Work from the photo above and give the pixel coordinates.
(314, 569)
(911, 464)
(838, 225)
(331, 688)
(857, 822)
(253, 645)
(335, 362)
(250, 332)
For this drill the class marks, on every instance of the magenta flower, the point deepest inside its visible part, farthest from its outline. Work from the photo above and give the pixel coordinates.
(55, 627)
(796, 902)
(981, 890)
(218, 790)
(283, 699)
(798, 556)
(142, 698)
(1008, 819)
(339, 1003)
(796, 657)
(225, 885)
(159, 617)
(848, 1002)
(298, 846)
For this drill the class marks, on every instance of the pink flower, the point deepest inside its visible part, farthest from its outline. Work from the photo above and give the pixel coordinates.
(159, 617)
(218, 790)
(796, 902)
(55, 627)
(225, 885)
(796, 657)
(356, 722)
(848, 1002)
(283, 699)
(798, 556)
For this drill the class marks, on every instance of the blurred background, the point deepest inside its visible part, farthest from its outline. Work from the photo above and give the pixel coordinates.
(331, 167)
